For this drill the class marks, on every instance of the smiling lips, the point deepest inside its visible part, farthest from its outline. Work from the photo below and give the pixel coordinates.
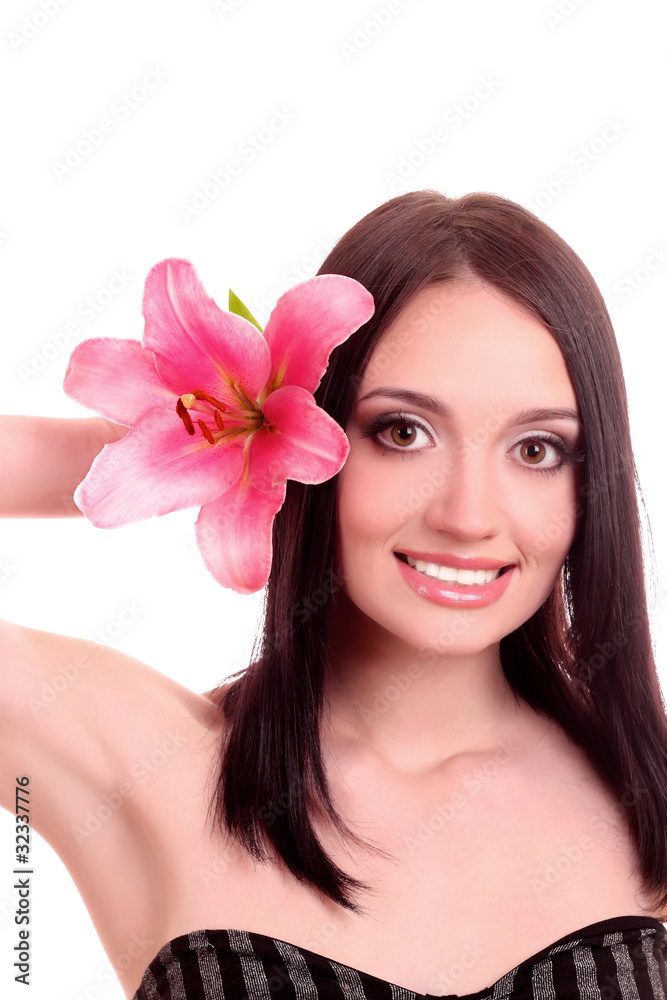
(450, 574)
(470, 582)
(461, 570)
(460, 562)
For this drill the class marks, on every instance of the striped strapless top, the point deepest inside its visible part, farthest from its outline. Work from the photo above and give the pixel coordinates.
(624, 958)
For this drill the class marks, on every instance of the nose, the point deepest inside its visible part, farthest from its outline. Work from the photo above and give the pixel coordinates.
(467, 503)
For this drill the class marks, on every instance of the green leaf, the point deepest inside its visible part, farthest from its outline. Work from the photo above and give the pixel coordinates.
(236, 306)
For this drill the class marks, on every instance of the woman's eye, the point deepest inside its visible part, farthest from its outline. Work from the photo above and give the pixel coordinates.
(405, 435)
(534, 451)
(397, 433)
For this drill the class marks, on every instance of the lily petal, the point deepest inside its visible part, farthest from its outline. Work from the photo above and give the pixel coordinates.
(196, 344)
(156, 468)
(115, 377)
(302, 441)
(308, 321)
(234, 536)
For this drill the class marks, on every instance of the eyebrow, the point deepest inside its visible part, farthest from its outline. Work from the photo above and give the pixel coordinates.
(427, 402)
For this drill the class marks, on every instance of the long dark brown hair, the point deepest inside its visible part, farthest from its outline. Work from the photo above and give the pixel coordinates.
(585, 657)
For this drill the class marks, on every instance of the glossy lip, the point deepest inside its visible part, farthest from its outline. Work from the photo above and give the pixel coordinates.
(449, 594)
(456, 562)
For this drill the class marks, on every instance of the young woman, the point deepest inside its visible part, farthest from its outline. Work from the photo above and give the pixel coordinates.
(446, 771)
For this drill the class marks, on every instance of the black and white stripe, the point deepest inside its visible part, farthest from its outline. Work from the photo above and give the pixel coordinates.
(624, 958)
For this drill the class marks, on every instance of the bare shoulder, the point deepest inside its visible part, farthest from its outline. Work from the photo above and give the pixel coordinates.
(591, 824)
(118, 757)
(76, 713)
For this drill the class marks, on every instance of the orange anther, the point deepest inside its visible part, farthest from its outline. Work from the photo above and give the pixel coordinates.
(206, 432)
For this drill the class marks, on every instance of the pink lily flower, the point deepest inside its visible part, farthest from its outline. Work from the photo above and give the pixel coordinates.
(220, 413)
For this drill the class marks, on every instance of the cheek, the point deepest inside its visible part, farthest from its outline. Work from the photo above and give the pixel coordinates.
(550, 525)
(384, 488)
(365, 511)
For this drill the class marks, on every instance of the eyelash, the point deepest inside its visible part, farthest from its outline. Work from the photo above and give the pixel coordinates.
(569, 456)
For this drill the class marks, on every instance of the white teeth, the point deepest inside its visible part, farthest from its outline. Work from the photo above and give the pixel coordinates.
(464, 577)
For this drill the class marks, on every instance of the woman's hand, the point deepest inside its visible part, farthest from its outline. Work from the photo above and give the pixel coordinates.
(43, 460)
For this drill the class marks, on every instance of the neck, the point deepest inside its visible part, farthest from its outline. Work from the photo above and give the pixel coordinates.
(414, 710)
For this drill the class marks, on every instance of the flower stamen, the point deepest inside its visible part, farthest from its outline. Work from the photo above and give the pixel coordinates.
(236, 421)
(200, 394)
(206, 432)
(185, 416)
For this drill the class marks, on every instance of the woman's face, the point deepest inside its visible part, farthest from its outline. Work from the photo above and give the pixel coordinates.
(480, 480)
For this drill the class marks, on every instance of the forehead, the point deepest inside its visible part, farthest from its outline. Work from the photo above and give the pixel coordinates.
(469, 341)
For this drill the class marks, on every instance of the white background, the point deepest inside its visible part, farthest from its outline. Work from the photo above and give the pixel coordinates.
(359, 95)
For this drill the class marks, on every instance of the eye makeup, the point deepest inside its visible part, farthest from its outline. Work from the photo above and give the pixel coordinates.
(569, 455)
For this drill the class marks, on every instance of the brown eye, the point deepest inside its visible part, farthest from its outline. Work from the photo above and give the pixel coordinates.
(533, 450)
(405, 433)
